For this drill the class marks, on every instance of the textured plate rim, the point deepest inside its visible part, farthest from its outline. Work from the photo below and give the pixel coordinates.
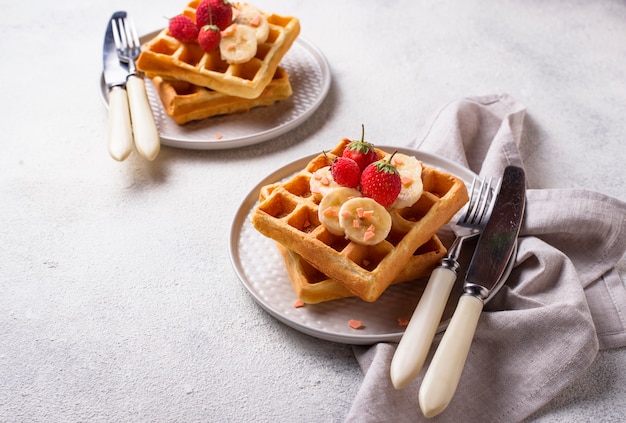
(256, 137)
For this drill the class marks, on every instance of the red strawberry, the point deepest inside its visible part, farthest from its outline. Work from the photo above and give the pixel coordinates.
(345, 172)
(361, 152)
(209, 37)
(381, 181)
(183, 28)
(214, 12)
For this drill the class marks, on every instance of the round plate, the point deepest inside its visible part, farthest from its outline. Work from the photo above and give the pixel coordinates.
(261, 269)
(310, 78)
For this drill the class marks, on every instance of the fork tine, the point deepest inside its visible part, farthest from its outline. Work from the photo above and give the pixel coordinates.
(116, 34)
(487, 196)
(122, 27)
(481, 199)
(133, 33)
(474, 201)
(127, 34)
(470, 205)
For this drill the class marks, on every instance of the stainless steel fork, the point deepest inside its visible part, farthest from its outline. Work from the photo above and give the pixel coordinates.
(418, 336)
(145, 132)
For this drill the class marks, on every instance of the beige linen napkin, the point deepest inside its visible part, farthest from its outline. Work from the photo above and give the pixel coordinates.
(562, 303)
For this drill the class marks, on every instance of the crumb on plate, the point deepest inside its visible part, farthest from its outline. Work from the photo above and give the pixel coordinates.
(356, 324)
(403, 322)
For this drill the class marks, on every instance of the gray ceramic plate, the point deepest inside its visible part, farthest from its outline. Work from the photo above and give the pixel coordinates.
(310, 78)
(261, 269)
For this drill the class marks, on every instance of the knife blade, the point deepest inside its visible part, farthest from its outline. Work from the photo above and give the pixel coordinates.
(483, 279)
(119, 138)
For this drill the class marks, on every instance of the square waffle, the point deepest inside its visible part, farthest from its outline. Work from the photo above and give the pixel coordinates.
(169, 58)
(312, 286)
(288, 214)
(185, 102)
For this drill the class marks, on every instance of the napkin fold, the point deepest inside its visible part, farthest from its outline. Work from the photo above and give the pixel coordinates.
(563, 301)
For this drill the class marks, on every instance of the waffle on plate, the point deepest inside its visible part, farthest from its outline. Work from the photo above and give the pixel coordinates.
(312, 286)
(288, 213)
(185, 102)
(169, 58)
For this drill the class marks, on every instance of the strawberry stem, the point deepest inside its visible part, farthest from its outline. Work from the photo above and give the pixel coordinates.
(326, 156)
(384, 165)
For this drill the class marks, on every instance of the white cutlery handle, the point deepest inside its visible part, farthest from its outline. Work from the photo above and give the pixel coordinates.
(147, 141)
(444, 372)
(120, 136)
(418, 336)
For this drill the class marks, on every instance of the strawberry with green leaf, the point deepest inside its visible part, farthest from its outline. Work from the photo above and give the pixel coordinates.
(362, 152)
(381, 181)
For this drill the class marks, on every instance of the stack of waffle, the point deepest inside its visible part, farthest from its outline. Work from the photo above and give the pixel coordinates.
(194, 84)
(324, 267)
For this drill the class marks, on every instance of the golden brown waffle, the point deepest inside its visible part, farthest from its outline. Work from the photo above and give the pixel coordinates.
(185, 102)
(288, 214)
(169, 58)
(312, 286)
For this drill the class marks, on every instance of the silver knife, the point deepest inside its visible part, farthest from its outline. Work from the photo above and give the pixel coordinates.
(120, 136)
(483, 279)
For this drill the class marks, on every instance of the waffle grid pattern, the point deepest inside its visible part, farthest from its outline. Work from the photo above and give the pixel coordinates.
(313, 286)
(169, 58)
(185, 102)
(288, 214)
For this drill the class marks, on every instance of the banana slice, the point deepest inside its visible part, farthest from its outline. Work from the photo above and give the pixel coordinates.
(410, 170)
(330, 205)
(321, 182)
(254, 18)
(238, 44)
(364, 221)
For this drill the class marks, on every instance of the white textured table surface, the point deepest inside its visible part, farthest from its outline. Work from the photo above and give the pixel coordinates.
(118, 301)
